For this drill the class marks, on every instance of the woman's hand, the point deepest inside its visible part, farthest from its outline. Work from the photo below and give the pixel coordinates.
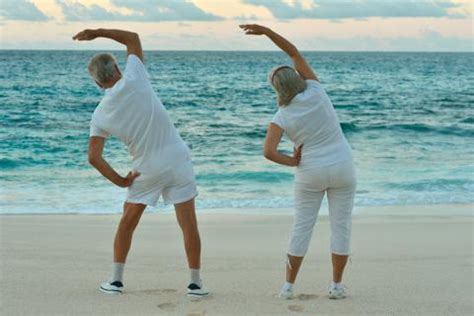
(270, 148)
(300, 63)
(297, 155)
(254, 29)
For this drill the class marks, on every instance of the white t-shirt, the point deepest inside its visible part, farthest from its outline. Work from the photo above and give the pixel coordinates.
(310, 119)
(131, 111)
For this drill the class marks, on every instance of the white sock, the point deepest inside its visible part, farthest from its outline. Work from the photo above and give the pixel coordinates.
(196, 276)
(287, 286)
(335, 285)
(117, 271)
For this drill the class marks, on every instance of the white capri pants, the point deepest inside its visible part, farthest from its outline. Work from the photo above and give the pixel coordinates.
(311, 183)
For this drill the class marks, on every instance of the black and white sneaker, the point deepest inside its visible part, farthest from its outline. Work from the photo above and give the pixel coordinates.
(196, 290)
(115, 287)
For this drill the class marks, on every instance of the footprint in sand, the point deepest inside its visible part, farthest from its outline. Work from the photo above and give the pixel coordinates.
(306, 297)
(169, 291)
(158, 291)
(296, 308)
(196, 313)
(167, 306)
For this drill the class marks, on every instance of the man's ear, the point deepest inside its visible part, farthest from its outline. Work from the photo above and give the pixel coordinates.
(99, 84)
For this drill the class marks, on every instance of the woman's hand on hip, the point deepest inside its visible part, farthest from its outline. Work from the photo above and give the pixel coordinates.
(297, 154)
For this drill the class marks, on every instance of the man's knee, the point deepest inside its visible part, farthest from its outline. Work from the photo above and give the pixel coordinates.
(129, 221)
(126, 225)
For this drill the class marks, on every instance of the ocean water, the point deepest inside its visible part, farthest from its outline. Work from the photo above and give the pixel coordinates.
(408, 116)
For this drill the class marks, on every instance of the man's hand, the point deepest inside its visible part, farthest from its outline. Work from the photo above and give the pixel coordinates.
(254, 29)
(128, 180)
(129, 39)
(86, 35)
(96, 147)
(297, 155)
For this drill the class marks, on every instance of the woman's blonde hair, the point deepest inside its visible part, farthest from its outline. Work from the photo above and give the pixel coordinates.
(287, 83)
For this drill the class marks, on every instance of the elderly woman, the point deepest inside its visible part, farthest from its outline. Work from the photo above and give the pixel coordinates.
(322, 157)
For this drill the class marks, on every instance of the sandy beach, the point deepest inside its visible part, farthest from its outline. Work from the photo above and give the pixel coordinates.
(401, 265)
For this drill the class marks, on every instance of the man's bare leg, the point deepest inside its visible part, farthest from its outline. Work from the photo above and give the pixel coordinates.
(186, 215)
(123, 237)
(123, 240)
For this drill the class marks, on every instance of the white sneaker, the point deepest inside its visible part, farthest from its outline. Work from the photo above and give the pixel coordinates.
(337, 293)
(115, 287)
(196, 290)
(286, 294)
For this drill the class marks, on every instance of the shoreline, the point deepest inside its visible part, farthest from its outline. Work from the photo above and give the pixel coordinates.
(421, 210)
(240, 51)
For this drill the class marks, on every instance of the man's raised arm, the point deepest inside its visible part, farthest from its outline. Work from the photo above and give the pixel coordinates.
(129, 39)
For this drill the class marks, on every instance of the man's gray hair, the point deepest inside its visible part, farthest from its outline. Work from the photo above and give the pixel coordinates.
(102, 67)
(287, 83)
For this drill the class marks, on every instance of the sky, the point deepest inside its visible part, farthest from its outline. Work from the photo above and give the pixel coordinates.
(316, 25)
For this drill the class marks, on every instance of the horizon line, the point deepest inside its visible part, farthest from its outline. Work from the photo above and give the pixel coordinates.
(241, 51)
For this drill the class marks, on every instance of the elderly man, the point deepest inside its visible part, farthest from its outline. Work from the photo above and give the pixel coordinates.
(162, 165)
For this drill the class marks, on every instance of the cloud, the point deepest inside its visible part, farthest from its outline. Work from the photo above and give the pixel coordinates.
(20, 10)
(342, 9)
(246, 17)
(79, 12)
(142, 11)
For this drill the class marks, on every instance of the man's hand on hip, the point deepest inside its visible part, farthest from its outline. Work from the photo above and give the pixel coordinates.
(128, 180)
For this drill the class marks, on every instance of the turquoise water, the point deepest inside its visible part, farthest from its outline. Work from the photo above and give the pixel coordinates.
(408, 116)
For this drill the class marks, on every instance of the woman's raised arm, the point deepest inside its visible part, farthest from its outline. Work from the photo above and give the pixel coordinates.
(299, 62)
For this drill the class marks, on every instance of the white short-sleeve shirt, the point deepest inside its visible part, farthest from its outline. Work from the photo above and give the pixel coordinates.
(310, 119)
(131, 111)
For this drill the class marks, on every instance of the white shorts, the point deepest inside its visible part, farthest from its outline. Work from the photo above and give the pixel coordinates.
(175, 184)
